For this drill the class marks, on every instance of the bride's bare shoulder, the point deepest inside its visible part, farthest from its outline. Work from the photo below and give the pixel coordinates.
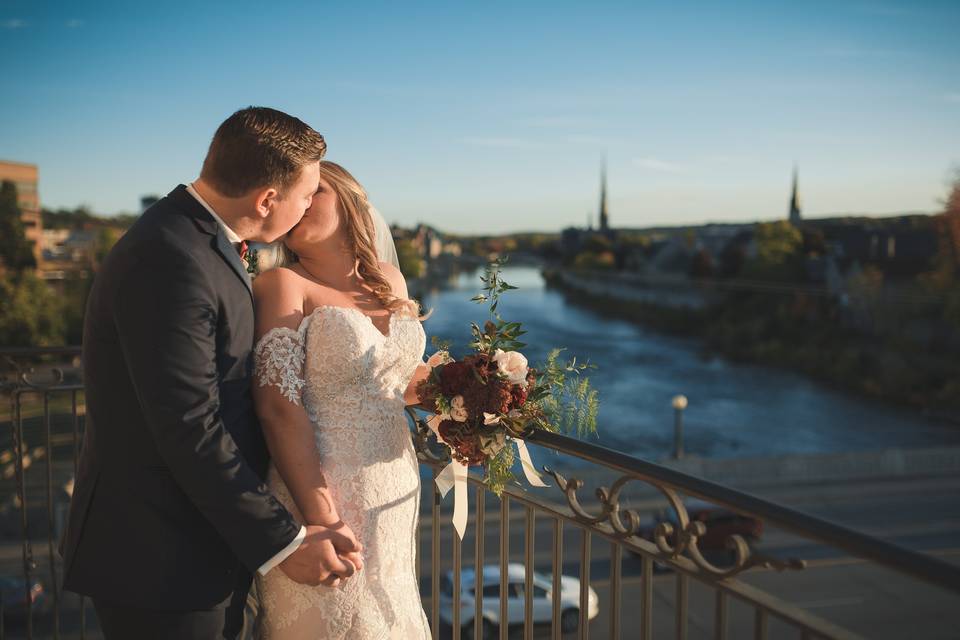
(395, 277)
(278, 278)
(278, 296)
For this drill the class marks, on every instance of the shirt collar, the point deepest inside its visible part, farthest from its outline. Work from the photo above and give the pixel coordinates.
(232, 237)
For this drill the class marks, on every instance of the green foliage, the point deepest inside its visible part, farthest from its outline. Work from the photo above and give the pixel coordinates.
(595, 261)
(496, 333)
(568, 402)
(779, 252)
(106, 238)
(16, 252)
(67, 218)
(499, 469)
(31, 314)
(81, 216)
(410, 263)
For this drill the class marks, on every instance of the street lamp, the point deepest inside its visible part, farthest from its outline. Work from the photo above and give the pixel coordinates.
(679, 404)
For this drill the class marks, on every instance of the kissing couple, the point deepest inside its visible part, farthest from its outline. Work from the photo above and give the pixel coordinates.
(246, 442)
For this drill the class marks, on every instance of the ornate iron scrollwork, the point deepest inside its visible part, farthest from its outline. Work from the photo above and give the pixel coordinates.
(672, 542)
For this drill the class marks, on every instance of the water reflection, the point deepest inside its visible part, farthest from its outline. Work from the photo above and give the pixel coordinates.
(735, 410)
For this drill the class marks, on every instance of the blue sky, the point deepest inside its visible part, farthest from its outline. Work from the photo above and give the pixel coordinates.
(493, 117)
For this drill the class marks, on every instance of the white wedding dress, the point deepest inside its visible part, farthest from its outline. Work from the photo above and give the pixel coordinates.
(350, 379)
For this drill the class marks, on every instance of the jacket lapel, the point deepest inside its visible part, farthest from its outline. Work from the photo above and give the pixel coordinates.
(228, 253)
(207, 224)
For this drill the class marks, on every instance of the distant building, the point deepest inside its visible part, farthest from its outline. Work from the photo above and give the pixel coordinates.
(25, 178)
(795, 202)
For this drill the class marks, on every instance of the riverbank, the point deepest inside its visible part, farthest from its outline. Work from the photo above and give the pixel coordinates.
(792, 331)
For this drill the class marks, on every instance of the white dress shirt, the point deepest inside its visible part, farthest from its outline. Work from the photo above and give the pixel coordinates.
(234, 239)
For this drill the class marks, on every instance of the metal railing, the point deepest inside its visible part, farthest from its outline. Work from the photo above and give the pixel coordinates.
(38, 461)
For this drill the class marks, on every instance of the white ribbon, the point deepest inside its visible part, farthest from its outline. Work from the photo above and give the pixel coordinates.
(455, 475)
(533, 477)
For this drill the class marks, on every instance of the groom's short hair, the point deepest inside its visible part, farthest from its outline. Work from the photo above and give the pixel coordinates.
(260, 147)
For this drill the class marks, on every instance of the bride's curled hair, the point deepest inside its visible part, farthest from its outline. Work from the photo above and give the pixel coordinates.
(360, 231)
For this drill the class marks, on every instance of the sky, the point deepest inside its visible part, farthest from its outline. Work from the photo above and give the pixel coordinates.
(495, 117)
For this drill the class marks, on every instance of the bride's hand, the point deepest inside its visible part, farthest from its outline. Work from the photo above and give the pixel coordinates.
(327, 555)
(345, 541)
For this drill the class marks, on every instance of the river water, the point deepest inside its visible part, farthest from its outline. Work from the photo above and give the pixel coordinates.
(735, 410)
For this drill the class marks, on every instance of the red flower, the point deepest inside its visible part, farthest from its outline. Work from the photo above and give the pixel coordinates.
(463, 441)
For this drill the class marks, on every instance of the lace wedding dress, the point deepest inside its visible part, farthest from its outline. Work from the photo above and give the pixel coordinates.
(350, 379)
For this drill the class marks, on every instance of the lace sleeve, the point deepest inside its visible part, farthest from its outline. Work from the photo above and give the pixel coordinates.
(278, 360)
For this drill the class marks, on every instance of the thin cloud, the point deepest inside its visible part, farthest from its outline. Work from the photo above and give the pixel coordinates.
(498, 143)
(74, 23)
(657, 164)
(558, 122)
(581, 138)
(13, 23)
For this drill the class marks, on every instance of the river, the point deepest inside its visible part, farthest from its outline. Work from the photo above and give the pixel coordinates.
(735, 410)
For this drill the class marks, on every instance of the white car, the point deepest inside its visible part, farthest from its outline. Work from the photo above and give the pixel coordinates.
(542, 598)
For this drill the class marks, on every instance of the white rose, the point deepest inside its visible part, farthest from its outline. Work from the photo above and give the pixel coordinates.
(513, 366)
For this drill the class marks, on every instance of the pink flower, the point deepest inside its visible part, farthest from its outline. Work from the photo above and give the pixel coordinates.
(512, 365)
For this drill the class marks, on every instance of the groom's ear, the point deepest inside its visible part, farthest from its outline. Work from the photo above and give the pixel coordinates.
(265, 200)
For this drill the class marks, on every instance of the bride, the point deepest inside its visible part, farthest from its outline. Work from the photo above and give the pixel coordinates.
(339, 353)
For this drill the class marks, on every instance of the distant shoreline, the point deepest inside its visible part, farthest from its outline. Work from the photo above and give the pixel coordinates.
(855, 366)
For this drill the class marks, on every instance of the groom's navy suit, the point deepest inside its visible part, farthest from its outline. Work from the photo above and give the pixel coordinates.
(169, 510)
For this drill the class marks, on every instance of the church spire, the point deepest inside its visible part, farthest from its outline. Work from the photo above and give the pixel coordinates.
(604, 219)
(795, 200)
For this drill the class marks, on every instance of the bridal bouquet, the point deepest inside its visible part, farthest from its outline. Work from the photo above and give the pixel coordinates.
(493, 397)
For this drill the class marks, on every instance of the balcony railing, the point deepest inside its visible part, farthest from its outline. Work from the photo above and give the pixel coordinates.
(613, 548)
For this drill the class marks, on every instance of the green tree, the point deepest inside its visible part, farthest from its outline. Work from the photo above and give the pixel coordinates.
(15, 250)
(106, 238)
(31, 314)
(779, 252)
(410, 263)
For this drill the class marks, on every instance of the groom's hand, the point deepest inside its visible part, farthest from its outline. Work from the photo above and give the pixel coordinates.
(318, 558)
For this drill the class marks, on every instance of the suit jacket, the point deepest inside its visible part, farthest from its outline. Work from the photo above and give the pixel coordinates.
(169, 509)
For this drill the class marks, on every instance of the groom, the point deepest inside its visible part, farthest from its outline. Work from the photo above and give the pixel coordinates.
(170, 515)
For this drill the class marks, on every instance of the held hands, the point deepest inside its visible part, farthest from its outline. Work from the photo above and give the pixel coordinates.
(327, 554)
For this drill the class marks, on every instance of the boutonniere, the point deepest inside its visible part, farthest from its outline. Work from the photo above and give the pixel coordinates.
(248, 258)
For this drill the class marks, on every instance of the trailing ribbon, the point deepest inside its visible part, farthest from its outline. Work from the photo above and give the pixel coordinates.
(455, 475)
(527, 465)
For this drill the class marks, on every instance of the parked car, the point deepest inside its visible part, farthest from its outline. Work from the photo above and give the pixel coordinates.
(542, 599)
(14, 594)
(721, 523)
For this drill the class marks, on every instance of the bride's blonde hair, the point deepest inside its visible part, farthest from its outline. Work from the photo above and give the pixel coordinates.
(355, 215)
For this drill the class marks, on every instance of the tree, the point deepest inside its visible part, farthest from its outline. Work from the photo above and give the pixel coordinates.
(31, 314)
(106, 238)
(411, 265)
(779, 252)
(15, 250)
